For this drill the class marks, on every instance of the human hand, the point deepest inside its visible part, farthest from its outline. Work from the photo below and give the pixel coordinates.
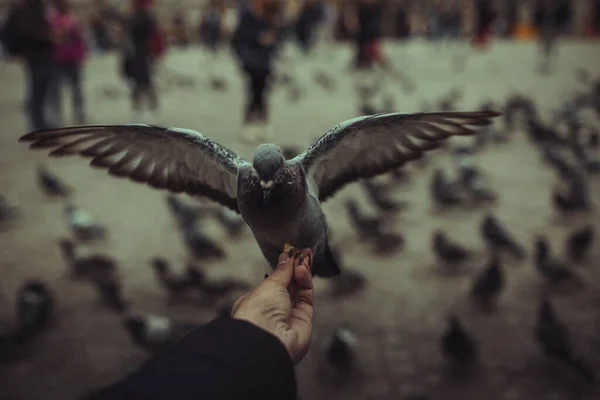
(283, 305)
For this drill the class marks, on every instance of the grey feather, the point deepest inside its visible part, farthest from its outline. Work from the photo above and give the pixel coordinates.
(179, 160)
(367, 146)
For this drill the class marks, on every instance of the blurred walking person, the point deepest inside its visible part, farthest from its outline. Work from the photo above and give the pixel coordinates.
(144, 44)
(255, 42)
(311, 15)
(211, 36)
(550, 17)
(485, 15)
(103, 21)
(70, 53)
(27, 34)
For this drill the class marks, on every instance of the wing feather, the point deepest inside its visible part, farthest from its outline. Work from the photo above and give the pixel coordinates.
(367, 146)
(179, 160)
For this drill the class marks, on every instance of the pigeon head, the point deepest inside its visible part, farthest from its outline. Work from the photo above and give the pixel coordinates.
(269, 164)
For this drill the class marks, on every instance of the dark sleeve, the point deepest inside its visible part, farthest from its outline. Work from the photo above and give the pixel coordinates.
(226, 359)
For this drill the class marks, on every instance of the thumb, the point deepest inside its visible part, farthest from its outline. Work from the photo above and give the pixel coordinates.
(284, 272)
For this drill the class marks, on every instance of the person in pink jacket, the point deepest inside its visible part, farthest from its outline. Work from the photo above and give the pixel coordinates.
(70, 52)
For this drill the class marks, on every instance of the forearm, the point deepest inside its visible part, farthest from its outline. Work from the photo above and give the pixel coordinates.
(226, 359)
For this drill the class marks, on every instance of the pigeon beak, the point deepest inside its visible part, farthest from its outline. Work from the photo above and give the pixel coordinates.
(266, 195)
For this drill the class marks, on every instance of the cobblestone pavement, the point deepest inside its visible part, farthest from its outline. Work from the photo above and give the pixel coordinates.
(398, 317)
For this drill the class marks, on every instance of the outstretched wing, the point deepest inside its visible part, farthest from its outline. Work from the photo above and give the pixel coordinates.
(179, 160)
(367, 146)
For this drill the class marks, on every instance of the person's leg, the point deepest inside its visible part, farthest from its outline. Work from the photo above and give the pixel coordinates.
(73, 75)
(40, 83)
(54, 94)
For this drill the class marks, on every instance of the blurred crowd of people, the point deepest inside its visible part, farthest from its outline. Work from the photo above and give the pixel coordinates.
(54, 41)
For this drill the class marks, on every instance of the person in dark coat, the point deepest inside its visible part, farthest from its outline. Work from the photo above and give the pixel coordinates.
(550, 17)
(36, 45)
(248, 356)
(368, 33)
(311, 14)
(255, 43)
(139, 57)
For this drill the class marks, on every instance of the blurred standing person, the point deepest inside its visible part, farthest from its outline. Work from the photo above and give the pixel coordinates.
(27, 33)
(485, 18)
(144, 44)
(309, 17)
(255, 42)
(70, 53)
(211, 35)
(102, 21)
(367, 26)
(550, 17)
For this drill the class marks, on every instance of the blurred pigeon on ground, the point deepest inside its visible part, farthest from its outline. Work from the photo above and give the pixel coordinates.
(489, 284)
(340, 351)
(270, 190)
(497, 237)
(552, 269)
(386, 243)
(35, 306)
(200, 245)
(81, 223)
(8, 212)
(233, 224)
(579, 242)
(458, 345)
(555, 342)
(553, 155)
(444, 192)
(575, 198)
(176, 285)
(154, 333)
(324, 81)
(378, 195)
(90, 265)
(109, 289)
(51, 184)
(366, 226)
(348, 282)
(475, 185)
(448, 251)
(184, 213)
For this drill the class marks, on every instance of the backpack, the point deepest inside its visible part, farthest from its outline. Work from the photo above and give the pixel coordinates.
(10, 35)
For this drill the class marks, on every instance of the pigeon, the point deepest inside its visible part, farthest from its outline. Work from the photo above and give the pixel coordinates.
(8, 212)
(489, 284)
(340, 351)
(377, 194)
(443, 191)
(270, 190)
(83, 226)
(51, 184)
(576, 198)
(183, 212)
(109, 288)
(475, 185)
(578, 243)
(446, 250)
(553, 155)
(200, 245)
(35, 305)
(552, 269)
(497, 237)
(232, 222)
(457, 344)
(154, 333)
(366, 226)
(176, 285)
(86, 266)
(386, 243)
(554, 340)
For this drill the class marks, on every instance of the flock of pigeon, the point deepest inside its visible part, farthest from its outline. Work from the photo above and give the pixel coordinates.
(35, 301)
(570, 146)
(566, 144)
